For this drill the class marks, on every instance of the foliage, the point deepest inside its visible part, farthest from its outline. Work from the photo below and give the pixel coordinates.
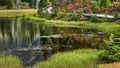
(95, 7)
(104, 3)
(65, 16)
(116, 15)
(43, 4)
(77, 59)
(9, 61)
(111, 54)
(55, 2)
(95, 19)
(112, 50)
(3, 2)
(74, 17)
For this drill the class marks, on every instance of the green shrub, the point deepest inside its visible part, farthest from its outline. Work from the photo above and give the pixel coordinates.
(95, 19)
(111, 54)
(112, 50)
(85, 58)
(51, 16)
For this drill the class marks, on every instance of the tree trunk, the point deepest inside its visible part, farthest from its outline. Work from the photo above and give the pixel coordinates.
(18, 4)
(33, 4)
(37, 4)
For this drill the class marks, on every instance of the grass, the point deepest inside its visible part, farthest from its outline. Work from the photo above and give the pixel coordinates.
(35, 19)
(85, 58)
(107, 27)
(9, 61)
(14, 13)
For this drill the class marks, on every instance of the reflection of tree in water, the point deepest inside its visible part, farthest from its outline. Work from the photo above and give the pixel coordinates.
(4, 30)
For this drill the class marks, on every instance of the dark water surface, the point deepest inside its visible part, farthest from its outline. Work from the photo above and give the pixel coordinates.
(26, 40)
(33, 43)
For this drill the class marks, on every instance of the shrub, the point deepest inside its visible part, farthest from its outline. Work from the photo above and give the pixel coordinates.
(111, 54)
(112, 51)
(95, 19)
(51, 16)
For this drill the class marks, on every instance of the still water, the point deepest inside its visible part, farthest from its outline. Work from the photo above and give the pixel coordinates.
(36, 42)
(20, 37)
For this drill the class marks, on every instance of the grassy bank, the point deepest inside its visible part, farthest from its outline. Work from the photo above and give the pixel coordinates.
(9, 61)
(108, 27)
(14, 13)
(85, 58)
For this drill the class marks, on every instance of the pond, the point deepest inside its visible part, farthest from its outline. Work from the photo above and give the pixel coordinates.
(32, 42)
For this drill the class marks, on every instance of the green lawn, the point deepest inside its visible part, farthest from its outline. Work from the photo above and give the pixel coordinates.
(14, 13)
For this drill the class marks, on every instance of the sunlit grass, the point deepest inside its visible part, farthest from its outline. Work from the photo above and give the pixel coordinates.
(85, 58)
(14, 13)
(9, 61)
(107, 27)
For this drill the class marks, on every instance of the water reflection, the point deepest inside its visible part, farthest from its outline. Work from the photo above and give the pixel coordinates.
(18, 34)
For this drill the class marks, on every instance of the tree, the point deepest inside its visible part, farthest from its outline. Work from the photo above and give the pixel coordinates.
(3, 2)
(11, 4)
(37, 4)
(17, 4)
(14, 4)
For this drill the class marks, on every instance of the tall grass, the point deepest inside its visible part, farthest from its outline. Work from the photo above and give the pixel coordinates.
(9, 61)
(85, 58)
